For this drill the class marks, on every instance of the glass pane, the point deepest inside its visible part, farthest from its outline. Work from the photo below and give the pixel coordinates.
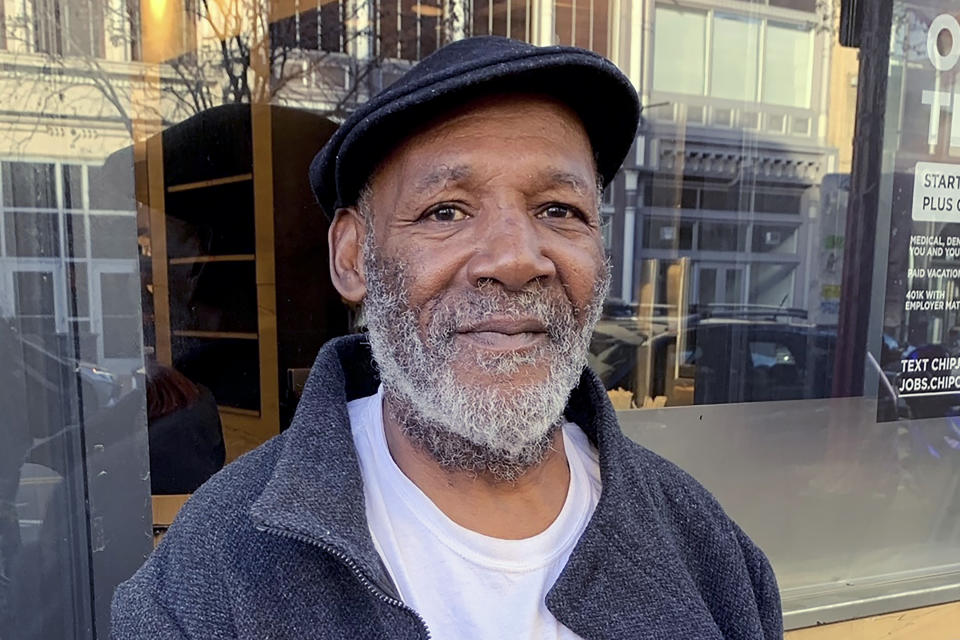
(772, 285)
(678, 60)
(117, 292)
(113, 236)
(734, 58)
(75, 235)
(716, 236)
(111, 186)
(733, 289)
(774, 239)
(74, 488)
(32, 234)
(29, 184)
(772, 258)
(778, 202)
(787, 76)
(72, 186)
(707, 287)
(78, 289)
(34, 293)
(668, 234)
(799, 5)
(121, 337)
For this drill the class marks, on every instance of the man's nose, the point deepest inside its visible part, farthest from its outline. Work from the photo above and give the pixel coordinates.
(510, 252)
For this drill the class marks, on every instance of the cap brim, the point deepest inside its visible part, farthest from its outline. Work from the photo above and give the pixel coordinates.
(592, 86)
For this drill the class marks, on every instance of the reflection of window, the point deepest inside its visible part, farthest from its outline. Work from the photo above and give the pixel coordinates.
(774, 239)
(110, 236)
(772, 284)
(724, 199)
(661, 233)
(784, 201)
(131, 17)
(787, 64)
(719, 284)
(782, 75)
(721, 236)
(501, 18)
(34, 302)
(409, 29)
(110, 189)
(734, 57)
(68, 28)
(27, 184)
(798, 5)
(606, 228)
(78, 290)
(608, 196)
(316, 26)
(583, 23)
(672, 196)
(678, 53)
(32, 234)
(75, 235)
(72, 186)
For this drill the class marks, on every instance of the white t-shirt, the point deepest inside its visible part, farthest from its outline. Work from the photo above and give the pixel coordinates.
(465, 584)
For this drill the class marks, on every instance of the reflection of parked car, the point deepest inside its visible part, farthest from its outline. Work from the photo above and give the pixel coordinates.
(725, 357)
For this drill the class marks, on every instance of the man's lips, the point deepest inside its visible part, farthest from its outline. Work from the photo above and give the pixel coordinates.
(506, 334)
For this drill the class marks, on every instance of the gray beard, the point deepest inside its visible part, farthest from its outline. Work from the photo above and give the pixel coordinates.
(497, 430)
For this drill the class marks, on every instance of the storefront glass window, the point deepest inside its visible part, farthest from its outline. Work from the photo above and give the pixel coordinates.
(783, 318)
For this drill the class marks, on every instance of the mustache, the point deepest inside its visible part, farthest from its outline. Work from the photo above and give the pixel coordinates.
(546, 307)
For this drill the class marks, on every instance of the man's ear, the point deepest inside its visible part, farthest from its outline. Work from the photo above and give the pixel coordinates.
(345, 238)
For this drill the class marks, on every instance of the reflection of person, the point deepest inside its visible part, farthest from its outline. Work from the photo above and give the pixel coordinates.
(186, 441)
(481, 488)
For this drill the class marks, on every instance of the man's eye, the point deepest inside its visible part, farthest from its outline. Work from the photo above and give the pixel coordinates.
(445, 214)
(559, 212)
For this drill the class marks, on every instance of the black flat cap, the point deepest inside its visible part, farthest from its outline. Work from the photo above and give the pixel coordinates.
(589, 83)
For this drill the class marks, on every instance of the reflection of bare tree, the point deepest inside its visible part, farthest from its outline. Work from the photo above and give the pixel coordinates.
(84, 59)
(909, 32)
(306, 64)
(70, 59)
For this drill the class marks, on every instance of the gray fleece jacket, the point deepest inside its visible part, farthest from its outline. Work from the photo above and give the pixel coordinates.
(277, 546)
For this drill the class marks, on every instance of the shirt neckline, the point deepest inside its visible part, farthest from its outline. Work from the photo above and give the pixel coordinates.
(500, 554)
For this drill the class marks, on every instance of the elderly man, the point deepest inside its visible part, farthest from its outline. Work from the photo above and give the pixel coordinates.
(457, 472)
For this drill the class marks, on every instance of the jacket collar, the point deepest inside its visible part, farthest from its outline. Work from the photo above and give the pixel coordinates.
(316, 494)
(316, 491)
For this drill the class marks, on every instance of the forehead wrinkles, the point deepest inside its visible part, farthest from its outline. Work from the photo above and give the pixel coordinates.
(523, 115)
(439, 176)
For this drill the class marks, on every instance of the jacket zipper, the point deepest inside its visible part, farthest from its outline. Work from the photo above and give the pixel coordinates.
(346, 560)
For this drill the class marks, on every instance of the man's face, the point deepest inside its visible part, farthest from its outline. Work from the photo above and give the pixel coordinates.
(485, 271)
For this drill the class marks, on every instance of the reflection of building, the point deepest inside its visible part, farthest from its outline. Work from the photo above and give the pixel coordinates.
(88, 78)
(731, 152)
(725, 171)
(85, 78)
(68, 261)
